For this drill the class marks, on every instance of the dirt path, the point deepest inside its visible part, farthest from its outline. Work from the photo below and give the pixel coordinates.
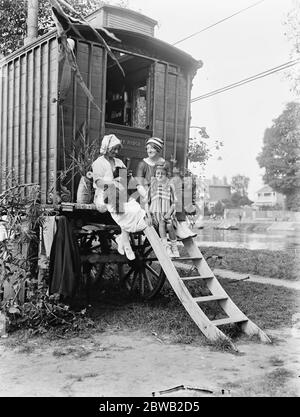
(240, 276)
(223, 273)
(124, 364)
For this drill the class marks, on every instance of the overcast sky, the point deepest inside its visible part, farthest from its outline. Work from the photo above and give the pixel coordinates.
(246, 44)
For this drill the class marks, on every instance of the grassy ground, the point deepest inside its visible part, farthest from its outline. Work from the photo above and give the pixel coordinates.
(165, 318)
(273, 264)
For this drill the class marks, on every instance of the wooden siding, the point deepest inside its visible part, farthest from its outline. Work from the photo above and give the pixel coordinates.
(28, 121)
(129, 23)
(170, 110)
(114, 17)
(77, 109)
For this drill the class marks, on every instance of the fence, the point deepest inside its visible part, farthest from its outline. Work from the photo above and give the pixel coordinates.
(248, 213)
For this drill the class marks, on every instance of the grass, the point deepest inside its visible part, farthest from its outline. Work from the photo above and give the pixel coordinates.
(268, 306)
(164, 317)
(273, 264)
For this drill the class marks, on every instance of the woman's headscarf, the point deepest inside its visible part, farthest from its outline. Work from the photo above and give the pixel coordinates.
(108, 142)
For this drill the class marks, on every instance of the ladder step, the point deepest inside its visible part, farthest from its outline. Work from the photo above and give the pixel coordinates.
(210, 298)
(228, 320)
(195, 277)
(190, 258)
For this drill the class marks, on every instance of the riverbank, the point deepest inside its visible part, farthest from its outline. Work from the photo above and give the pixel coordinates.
(254, 226)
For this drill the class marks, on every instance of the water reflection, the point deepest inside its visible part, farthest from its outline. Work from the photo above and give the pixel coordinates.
(279, 240)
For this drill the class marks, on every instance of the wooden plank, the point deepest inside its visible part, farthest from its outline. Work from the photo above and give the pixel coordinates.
(10, 120)
(18, 121)
(187, 117)
(166, 75)
(53, 121)
(209, 298)
(195, 278)
(1, 122)
(29, 95)
(176, 120)
(23, 103)
(44, 126)
(37, 116)
(89, 83)
(228, 320)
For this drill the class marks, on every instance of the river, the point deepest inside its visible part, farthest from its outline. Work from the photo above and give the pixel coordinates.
(273, 240)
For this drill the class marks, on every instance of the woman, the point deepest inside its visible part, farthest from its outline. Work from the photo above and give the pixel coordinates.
(130, 221)
(145, 172)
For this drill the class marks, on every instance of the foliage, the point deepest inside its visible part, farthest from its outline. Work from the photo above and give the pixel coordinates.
(240, 184)
(84, 152)
(293, 34)
(23, 216)
(280, 155)
(41, 312)
(199, 150)
(218, 209)
(13, 15)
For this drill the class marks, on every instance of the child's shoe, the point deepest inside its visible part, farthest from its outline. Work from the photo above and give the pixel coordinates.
(169, 252)
(119, 242)
(167, 247)
(129, 253)
(174, 249)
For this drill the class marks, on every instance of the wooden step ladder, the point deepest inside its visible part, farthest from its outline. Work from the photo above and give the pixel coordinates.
(208, 327)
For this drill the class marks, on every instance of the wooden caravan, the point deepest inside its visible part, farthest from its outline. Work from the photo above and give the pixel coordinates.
(42, 106)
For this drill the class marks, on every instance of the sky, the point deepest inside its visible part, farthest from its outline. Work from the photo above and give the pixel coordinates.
(244, 45)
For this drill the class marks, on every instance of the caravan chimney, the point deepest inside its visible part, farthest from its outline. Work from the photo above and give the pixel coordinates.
(32, 21)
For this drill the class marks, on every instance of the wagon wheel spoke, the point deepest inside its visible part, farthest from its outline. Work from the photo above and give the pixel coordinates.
(142, 281)
(134, 280)
(147, 279)
(147, 252)
(147, 266)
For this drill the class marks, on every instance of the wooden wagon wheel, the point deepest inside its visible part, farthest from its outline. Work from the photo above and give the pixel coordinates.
(143, 276)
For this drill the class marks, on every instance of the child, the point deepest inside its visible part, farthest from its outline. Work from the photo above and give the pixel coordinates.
(160, 208)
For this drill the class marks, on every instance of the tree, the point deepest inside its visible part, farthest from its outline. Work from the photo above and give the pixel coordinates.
(218, 209)
(199, 150)
(238, 200)
(293, 35)
(280, 155)
(13, 16)
(240, 184)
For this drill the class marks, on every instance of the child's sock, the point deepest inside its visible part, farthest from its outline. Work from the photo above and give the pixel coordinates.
(174, 249)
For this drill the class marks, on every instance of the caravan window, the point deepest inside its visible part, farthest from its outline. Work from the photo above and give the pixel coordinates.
(128, 98)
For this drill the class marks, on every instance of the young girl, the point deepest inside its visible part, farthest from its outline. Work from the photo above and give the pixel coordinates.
(160, 208)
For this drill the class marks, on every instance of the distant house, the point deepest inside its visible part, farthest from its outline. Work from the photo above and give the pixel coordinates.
(266, 196)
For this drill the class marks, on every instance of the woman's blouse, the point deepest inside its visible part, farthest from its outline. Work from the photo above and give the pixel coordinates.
(145, 170)
(104, 170)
